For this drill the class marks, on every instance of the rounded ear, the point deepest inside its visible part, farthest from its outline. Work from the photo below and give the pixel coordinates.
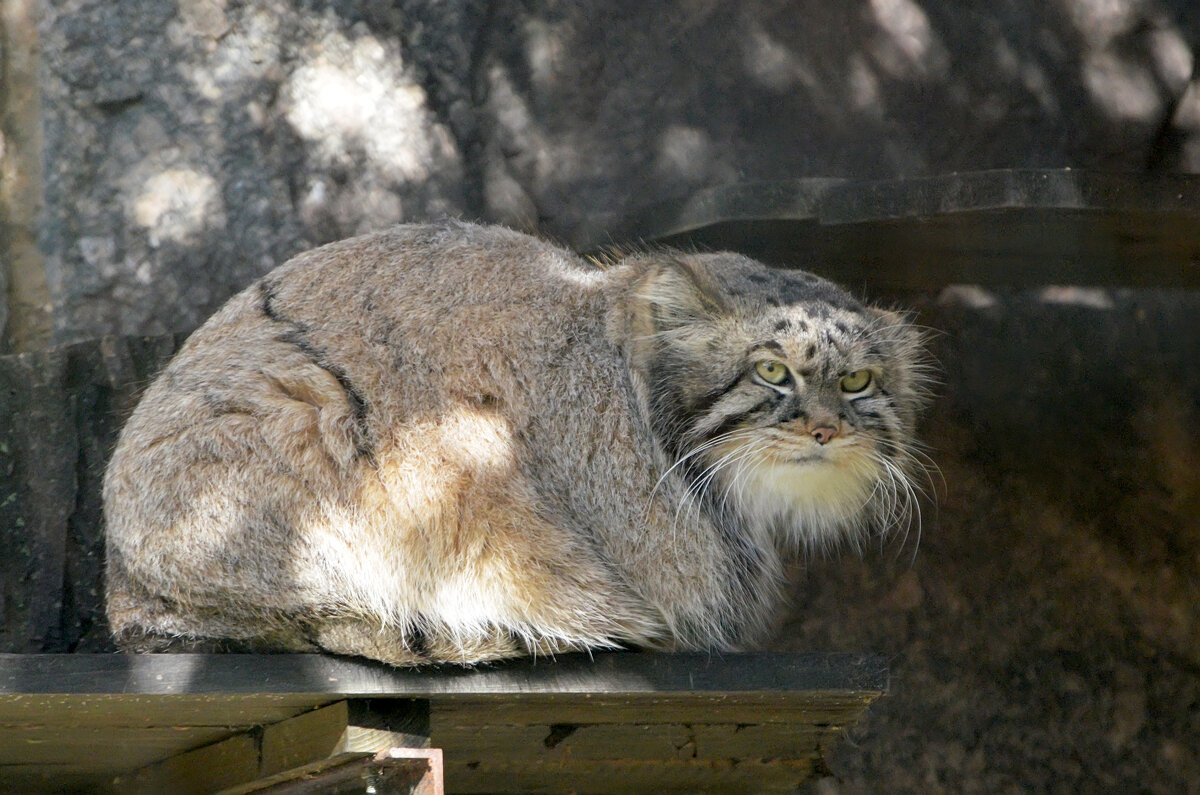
(679, 293)
(908, 346)
(897, 329)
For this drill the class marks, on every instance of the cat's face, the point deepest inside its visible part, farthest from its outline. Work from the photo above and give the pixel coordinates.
(781, 397)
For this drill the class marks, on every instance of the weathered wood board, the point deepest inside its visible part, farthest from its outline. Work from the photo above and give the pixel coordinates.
(1016, 227)
(652, 722)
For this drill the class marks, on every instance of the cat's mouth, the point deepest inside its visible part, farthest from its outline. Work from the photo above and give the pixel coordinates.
(814, 458)
(832, 455)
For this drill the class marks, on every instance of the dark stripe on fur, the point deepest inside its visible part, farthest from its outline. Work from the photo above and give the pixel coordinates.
(729, 423)
(747, 576)
(416, 640)
(296, 335)
(266, 291)
(707, 401)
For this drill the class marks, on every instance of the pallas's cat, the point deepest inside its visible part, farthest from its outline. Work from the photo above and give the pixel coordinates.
(460, 443)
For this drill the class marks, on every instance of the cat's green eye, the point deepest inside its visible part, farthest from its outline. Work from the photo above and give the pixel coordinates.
(856, 381)
(771, 372)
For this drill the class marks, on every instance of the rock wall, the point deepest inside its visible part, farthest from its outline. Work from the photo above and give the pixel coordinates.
(1044, 628)
(60, 412)
(191, 147)
(186, 147)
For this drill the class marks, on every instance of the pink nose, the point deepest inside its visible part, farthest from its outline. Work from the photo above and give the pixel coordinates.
(824, 433)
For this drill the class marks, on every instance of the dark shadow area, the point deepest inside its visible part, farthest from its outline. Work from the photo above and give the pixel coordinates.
(1044, 636)
(61, 411)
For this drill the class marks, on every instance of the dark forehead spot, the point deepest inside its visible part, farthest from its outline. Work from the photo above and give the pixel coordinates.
(803, 325)
(840, 326)
(781, 325)
(812, 350)
(793, 293)
(772, 344)
(791, 288)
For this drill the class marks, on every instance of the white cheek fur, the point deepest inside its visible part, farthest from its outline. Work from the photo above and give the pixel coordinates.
(818, 501)
(813, 503)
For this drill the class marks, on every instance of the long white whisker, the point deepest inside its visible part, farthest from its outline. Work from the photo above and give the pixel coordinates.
(697, 450)
(692, 495)
(751, 450)
(909, 504)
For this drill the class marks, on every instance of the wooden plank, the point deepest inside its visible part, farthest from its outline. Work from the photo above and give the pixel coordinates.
(209, 769)
(121, 710)
(778, 676)
(334, 735)
(1014, 227)
(296, 748)
(827, 708)
(589, 776)
(574, 710)
(561, 742)
(55, 779)
(319, 735)
(100, 748)
(764, 741)
(397, 771)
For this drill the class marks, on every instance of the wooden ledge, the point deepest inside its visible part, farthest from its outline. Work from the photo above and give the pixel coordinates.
(650, 721)
(613, 673)
(1005, 228)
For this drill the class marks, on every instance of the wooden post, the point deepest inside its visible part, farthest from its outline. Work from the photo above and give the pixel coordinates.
(25, 308)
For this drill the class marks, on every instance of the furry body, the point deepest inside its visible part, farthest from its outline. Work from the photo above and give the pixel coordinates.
(459, 443)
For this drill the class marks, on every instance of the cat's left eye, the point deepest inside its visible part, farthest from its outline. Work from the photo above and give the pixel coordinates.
(856, 382)
(771, 372)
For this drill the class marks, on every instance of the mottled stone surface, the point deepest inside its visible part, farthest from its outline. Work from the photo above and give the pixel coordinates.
(1046, 634)
(599, 108)
(191, 145)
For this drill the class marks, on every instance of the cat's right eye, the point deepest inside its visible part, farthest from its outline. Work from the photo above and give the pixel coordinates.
(856, 382)
(771, 372)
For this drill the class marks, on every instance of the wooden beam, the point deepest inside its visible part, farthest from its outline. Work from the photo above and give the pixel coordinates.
(1012, 227)
(300, 750)
(396, 771)
(612, 673)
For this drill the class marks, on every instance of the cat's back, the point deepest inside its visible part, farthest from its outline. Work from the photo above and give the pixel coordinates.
(443, 266)
(394, 320)
(403, 299)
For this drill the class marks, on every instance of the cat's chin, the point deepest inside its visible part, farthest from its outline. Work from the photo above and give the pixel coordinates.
(814, 499)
